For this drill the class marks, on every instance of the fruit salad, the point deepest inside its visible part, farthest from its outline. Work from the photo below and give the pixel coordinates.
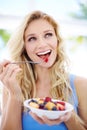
(47, 104)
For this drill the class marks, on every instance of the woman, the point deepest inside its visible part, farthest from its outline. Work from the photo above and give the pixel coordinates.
(38, 40)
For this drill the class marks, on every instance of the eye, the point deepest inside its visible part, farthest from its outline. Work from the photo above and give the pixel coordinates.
(31, 39)
(48, 35)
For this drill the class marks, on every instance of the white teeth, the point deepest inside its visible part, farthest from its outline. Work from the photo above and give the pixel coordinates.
(43, 53)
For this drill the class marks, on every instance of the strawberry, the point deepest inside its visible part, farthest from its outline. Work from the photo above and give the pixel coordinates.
(61, 102)
(60, 107)
(46, 59)
(47, 99)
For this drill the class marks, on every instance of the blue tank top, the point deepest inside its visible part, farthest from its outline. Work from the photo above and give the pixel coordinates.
(28, 123)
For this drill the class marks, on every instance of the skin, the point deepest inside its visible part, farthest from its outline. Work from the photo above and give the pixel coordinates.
(37, 39)
(11, 97)
(40, 37)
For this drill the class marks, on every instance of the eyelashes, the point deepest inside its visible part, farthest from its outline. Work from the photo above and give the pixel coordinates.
(48, 34)
(34, 38)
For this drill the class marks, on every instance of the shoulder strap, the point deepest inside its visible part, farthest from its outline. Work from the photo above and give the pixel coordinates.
(75, 98)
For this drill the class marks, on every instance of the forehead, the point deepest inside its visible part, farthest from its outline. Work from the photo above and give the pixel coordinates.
(39, 25)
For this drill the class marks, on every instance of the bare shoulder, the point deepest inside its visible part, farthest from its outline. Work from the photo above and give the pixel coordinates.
(81, 83)
(81, 88)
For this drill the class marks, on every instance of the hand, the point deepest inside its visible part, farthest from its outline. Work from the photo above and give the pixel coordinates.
(8, 73)
(45, 120)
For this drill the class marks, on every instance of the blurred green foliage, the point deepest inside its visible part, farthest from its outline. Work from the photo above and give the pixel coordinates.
(78, 41)
(4, 35)
(82, 13)
(84, 9)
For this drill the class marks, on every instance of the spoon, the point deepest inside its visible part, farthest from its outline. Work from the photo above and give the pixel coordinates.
(24, 62)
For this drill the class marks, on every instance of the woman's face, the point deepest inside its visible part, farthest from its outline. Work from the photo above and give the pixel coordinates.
(41, 42)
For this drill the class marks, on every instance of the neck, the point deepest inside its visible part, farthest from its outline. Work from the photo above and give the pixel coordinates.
(43, 83)
(43, 75)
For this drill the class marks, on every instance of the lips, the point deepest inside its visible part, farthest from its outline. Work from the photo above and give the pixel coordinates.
(44, 54)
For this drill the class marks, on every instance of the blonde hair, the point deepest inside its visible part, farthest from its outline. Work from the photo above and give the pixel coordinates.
(27, 78)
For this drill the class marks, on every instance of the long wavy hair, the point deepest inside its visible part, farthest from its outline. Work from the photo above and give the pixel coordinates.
(58, 72)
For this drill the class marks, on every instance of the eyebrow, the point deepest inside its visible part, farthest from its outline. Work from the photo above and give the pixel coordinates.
(32, 34)
(48, 31)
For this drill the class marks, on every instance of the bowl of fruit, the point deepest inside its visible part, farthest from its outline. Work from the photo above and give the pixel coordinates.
(51, 108)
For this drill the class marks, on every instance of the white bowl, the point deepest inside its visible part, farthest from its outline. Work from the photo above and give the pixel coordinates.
(49, 113)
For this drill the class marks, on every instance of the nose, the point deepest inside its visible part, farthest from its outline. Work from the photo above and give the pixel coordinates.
(41, 42)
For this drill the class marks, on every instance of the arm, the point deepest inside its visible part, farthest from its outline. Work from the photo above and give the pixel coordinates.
(75, 123)
(11, 104)
(79, 122)
(11, 113)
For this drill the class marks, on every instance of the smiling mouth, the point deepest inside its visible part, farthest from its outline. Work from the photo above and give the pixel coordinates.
(44, 55)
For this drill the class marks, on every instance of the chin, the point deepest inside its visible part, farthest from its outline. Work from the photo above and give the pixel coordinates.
(47, 64)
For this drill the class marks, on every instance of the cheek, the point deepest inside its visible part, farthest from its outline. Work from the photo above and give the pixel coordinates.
(54, 44)
(29, 50)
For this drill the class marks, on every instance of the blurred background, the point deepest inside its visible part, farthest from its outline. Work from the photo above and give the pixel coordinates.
(71, 16)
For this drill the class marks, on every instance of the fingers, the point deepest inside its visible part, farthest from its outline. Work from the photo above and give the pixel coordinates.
(36, 118)
(45, 120)
(59, 120)
(3, 64)
(67, 116)
(8, 72)
(8, 77)
(10, 69)
(51, 121)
